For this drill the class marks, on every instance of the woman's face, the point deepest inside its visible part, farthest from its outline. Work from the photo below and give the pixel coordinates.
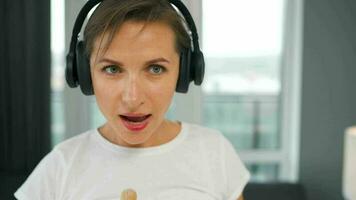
(134, 82)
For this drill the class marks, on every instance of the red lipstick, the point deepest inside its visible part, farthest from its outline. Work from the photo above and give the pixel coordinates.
(135, 121)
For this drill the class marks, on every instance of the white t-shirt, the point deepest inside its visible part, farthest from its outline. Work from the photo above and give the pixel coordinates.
(198, 164)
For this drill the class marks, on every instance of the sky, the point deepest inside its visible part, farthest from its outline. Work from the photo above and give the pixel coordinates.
(242, 27)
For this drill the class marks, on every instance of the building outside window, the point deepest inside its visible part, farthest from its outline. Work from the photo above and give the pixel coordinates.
(242, 43)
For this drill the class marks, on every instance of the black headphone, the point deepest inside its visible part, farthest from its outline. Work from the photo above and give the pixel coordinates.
(77, 72)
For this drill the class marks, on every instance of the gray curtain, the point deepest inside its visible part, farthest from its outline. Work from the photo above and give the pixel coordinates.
(24, 89)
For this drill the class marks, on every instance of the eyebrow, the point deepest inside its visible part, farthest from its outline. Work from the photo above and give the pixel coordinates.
(155, 60)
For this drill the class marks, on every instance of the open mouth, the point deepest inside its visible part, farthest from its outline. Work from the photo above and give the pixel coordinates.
(134, 119)
(135, 123)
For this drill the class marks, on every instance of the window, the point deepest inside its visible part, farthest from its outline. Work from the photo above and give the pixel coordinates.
(57, 75)
(243, 86)
(243, 94)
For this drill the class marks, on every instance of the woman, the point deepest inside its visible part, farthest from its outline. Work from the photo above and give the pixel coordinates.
(135, 49)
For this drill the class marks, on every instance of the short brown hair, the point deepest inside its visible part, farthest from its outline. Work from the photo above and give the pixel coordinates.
(111, 14)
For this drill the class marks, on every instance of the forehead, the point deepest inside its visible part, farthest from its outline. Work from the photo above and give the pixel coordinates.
(137, 37)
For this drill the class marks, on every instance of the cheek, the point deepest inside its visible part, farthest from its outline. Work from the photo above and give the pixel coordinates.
(161, 94)
(103, 85)
(166, 87)
(103, 91)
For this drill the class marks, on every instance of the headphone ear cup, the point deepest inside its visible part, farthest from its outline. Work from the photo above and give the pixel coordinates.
(184, 72)
(71, 70)
(198, 67)
(83, 68)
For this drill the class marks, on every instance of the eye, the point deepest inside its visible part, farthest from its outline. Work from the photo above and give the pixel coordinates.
(156, 69)
(111, 69)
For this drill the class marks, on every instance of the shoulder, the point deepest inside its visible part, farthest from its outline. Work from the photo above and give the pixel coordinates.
(73, 142)
(51, 170)
(200, 130)
(74, 145)
(207, 135)
(214, 141)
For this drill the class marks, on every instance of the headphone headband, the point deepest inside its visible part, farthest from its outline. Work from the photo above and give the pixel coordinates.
(189, 19)
(79, 22)
(92, 3)
(78, 67)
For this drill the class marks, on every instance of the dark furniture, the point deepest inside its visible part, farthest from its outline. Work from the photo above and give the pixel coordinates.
(274, 191)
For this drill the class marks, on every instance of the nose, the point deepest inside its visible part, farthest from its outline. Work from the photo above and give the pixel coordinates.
(132, 96)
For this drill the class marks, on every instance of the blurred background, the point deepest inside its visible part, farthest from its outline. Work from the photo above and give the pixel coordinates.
(279, 84)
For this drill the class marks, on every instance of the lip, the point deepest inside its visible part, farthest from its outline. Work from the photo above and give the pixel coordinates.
(135, 126)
